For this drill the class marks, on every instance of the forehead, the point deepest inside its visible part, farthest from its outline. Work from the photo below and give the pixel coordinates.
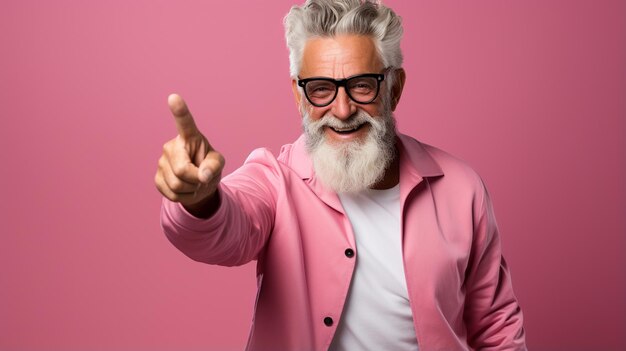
(340, 57)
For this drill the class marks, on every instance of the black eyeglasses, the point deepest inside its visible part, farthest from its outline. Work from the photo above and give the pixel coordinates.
(362, 88)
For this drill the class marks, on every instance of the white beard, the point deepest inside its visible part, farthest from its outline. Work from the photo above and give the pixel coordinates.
(348, 167)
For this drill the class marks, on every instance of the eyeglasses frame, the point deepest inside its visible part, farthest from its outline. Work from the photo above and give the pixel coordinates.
(342, 83)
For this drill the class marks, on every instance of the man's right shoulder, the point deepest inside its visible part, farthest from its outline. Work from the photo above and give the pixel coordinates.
(292, 157)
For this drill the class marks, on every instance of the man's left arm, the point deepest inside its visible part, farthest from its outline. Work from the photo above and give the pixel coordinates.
(492, 314)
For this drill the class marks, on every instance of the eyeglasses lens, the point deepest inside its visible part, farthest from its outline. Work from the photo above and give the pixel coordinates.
(362, 89)
(320, 92)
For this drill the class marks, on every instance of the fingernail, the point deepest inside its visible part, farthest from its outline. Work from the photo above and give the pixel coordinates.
(206, 174)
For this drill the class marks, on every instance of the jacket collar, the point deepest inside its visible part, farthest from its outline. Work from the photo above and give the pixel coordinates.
(415, 159)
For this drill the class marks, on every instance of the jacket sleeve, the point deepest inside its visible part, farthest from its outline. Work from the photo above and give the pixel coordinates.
(240, 228)
(493, 317)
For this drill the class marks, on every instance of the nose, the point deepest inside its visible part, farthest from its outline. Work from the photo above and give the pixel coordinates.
(343, 107)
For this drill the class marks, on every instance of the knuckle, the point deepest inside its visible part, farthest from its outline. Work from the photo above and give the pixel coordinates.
(170, 146)
(157, 179)
(164, 190)
(162, 162)
(175, 184)
(174, 197)
(179, 169)
(159, 188)
(166, 147)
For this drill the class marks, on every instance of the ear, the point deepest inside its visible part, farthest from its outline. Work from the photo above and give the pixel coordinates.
(296, 93)
(398, 85)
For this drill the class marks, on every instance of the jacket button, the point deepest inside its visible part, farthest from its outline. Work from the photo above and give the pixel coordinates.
(349, 253)
(328, 321)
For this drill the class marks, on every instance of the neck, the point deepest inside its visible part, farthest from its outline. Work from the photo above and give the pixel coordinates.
(391, 177)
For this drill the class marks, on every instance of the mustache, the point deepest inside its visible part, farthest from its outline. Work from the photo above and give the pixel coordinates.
(329, 120)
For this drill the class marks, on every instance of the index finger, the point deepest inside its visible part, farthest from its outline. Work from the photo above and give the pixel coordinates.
(184, 121)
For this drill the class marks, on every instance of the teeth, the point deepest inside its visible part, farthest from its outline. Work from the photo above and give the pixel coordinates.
(346, 129)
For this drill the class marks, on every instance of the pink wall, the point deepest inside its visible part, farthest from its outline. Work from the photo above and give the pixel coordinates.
(531, 93)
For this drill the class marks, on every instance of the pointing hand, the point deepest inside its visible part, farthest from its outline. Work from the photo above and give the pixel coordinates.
(189, 168)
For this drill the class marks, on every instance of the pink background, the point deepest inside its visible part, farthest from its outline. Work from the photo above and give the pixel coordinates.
(531, 93)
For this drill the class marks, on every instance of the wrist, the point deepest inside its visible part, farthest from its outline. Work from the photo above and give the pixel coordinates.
(205, 208)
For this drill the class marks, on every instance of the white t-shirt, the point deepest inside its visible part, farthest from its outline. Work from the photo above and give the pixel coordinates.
(377, 314)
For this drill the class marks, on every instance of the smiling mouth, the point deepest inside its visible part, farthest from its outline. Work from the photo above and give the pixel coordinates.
(347, 130)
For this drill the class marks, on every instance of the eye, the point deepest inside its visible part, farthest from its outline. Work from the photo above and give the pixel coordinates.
(363, 86)
(320, 88)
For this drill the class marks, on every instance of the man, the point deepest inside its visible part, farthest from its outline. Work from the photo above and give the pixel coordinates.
(365, 239)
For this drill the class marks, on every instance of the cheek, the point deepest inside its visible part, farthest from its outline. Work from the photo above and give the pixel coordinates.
(314, 113)
(317, 113)
(372, 109)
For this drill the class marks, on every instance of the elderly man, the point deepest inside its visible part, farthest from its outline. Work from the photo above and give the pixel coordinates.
(365, 239)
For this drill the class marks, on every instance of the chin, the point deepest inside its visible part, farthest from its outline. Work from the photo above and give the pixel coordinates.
(352, 165)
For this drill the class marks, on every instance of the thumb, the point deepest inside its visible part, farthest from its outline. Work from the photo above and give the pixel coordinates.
(211, 167)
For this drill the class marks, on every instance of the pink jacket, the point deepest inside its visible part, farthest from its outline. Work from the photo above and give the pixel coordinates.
(275, 211)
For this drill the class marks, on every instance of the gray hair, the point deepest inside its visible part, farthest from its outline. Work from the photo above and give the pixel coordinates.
(328, 18)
